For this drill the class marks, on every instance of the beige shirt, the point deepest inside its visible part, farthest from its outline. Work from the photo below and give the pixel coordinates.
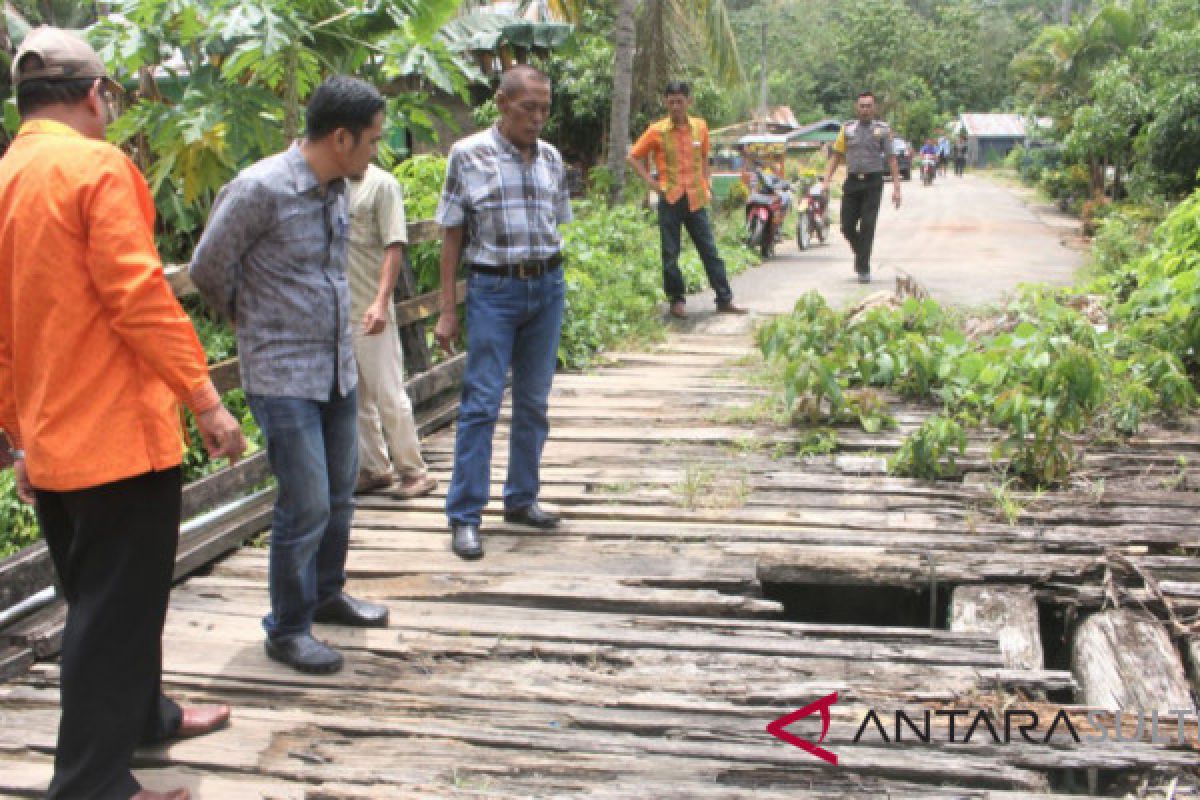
(376, 221)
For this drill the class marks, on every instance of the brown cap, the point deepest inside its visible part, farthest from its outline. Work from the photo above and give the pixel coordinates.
(65, 57)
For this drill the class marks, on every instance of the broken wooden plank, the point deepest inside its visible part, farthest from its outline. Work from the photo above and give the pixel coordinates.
(1125, 660)
(1010, 613)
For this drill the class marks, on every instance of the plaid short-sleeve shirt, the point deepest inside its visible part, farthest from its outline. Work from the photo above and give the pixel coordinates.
(511, 208)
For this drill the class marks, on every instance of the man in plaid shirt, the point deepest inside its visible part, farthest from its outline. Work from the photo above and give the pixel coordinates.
(505, 196)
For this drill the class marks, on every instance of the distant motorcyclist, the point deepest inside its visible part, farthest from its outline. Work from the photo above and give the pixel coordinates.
(929, 161)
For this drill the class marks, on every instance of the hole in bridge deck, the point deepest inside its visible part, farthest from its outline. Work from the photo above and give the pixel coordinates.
(877, 606)
(1055, 623)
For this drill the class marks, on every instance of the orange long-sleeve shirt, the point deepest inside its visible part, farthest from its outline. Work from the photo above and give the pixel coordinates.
(95, 351)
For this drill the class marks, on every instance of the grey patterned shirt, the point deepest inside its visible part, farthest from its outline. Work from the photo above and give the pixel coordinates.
(868, 148)
(273, 260)
(512, 209)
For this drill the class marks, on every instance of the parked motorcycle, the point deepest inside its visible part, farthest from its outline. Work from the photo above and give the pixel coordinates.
(765, 210)
(928, 169)
(811, 217)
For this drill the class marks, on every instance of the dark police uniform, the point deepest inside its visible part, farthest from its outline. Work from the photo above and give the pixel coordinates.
(867, 149)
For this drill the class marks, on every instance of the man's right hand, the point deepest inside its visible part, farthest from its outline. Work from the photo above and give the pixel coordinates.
(446, 330)
(221, 433)
(24, 487)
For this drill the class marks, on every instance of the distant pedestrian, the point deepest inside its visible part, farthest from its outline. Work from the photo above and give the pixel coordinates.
(96, 357)
(273, 260)
(387, 432)
(679, 146)
(960, 155)
(866, 145)
(504, 199)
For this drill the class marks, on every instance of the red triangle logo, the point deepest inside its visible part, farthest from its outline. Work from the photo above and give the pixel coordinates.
(778, 728)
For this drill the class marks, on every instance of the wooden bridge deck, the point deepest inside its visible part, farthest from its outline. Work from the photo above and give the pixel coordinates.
(633, 652)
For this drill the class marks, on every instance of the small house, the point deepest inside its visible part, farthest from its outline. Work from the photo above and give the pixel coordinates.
(990, 137)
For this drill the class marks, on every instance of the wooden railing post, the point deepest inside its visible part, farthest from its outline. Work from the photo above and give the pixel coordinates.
(417, 357)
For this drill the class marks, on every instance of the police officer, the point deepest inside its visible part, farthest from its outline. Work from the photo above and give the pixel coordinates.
(866, 145)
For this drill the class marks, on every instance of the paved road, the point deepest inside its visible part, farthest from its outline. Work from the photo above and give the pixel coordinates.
(967, 240)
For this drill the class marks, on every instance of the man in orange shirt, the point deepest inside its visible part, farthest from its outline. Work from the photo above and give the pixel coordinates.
(679, 146)
(95, 357)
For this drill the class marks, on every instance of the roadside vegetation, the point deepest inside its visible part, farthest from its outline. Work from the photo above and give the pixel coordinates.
(1051, 369)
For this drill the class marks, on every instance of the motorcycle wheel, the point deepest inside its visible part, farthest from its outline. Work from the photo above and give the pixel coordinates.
(802, 235)
(768, 242)
(755, 235)
(823, 229)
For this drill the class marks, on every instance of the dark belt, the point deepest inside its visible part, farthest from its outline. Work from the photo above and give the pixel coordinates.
(866, 176)
(530, 268)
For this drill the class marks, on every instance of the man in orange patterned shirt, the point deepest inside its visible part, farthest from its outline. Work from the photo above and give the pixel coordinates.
(679, 147)
(96, 357)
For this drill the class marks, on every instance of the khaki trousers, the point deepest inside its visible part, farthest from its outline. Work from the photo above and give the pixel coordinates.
(385, 419)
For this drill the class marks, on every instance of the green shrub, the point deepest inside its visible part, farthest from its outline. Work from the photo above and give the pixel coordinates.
(931, 451)
(422, 178)
(18, 525)
(1053, 376)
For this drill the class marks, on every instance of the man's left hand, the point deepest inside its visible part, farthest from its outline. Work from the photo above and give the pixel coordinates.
(374, 319)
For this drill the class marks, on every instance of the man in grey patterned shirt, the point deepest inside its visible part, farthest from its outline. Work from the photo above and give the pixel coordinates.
(272, 260)
(504, 198)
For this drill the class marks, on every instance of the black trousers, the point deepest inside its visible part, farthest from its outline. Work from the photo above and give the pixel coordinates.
(860, 208)
(672, 217)
(113, 547)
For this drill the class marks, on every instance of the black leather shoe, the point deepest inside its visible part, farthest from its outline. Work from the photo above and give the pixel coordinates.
(532, 515)
(466, 542)
(342, 609)
(304, 653)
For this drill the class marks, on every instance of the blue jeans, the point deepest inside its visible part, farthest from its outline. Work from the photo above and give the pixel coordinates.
(671, 218)
(312, 448)
(510, 322)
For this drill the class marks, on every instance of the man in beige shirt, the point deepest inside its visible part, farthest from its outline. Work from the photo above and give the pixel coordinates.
(387, 433)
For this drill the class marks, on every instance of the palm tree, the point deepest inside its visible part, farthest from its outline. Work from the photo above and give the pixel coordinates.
(624, 47)
(1056, 70)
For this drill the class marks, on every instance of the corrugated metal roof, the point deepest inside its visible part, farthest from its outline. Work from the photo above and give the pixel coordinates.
(763, 138)
(782, 116)
(986, 125)
(830, 126)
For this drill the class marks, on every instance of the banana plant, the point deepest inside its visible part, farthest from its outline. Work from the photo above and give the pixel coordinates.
(220, 83)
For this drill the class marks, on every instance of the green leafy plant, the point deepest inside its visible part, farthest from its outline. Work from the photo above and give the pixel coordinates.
(931, 451)
(1050, 376)
(18, 523)
(422, 178)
